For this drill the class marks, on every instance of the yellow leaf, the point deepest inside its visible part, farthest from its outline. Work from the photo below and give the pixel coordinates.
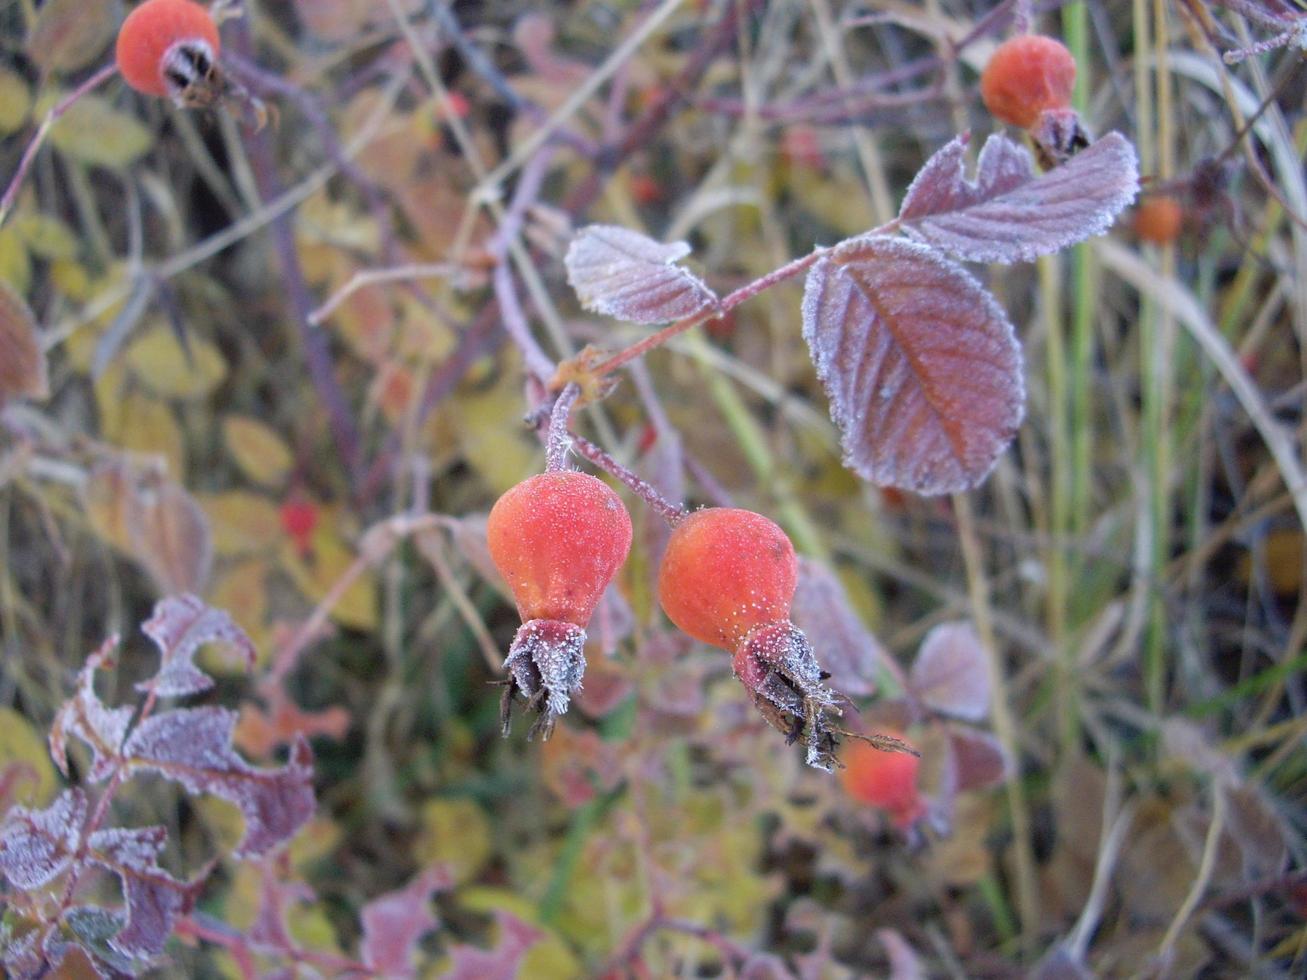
(15, 102)
(80, 347)
(317, 572)
(258, 450)
(69, 34)
(15, 265)
(502, 454)
(549, 958)
(70, 278)
(46, 237)
(147, 426)
(160, 363)
(244, 523)
(95, 133)
(314, 842)
(243, 591)
(456, 833)
(22, 746)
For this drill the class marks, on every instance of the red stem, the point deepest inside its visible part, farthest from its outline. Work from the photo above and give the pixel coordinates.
(672, 513)
(559, 440)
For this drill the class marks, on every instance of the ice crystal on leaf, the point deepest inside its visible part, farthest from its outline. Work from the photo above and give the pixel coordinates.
(920, 363)
(84, 715)
(1010, 214)
(36, 846)
(179, 627)
(154, 897)
(623, 274)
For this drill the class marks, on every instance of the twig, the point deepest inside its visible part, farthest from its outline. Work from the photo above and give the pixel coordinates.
(672, 513)
(377, 277)
(559, 440)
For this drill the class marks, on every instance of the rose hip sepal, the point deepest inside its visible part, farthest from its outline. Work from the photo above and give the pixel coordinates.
(727, 578)
(558, 539)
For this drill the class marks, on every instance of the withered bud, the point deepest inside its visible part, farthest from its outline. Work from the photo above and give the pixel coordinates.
(545, 665)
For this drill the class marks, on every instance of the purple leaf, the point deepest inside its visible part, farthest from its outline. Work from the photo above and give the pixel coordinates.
(192, 746)
(920, 364)
(86, 716)
(842, 644)
(179, 627)
(623, 274)
(36, 846)
(950, 674)
(94, 929)
(500, 963)
(1008, 214)
(978, 759)
(154, 897)
(394, 923)
(270, 931)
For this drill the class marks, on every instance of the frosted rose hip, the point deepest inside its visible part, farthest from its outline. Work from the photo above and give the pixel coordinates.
(1026, 76)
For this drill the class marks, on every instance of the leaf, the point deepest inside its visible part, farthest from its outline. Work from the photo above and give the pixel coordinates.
(85, 716)
(154, 898)
(317, 573)
(950, 674)
(179, 627)
(455, 834)
(920, 363)
(978, 759)
(192, 746)
(68, 34)
(37, 845)
(904, 963)
(257, 449)
(91, 131)
(243, 523)
(623, 274)
(395, 922)
(1008, 214)
(15, 101)
(515, 937)
(24, 760)
(842, 644)
(47, 236)
(22, 362)
(159, 362)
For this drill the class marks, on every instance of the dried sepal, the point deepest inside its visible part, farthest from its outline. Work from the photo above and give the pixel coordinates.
(1010, 214)
(921, 365)
(179, 627)
(193, 747)
(776, 665)
(629, 276)
(36, 846)
(545, 664)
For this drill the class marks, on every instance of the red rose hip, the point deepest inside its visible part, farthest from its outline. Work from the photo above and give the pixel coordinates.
(1026, 76)
(170, 48)
(887, 780)
(558, 539)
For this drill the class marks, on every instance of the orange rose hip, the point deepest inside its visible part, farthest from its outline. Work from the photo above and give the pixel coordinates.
(170, 48)
(1027, 76)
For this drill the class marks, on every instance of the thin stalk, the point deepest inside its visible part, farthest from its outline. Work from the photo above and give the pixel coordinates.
(672, 513)
(559, 439)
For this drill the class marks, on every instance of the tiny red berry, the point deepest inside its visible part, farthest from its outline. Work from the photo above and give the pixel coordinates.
(558, 539)
(1027, 76)
(170, 48)
(887, 780)
(728, 578)
(299, 519)
(1158, 220)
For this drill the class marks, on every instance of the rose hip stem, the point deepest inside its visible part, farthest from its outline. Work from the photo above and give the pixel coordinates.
(672, 513)
(559, 439)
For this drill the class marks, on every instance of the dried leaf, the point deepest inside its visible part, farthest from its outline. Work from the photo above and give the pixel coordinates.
(515, 937)
(69, 34)
(978, 759)
(179, 627)
(154, 897)
(85, 716)
(1008, 214)
(394, 923)
(37, 845)
(169, 535)
(623, 274)
(22, 362)
(950, 674)
(257, 449)
(921, 365)
(192, 746)
(842, 644)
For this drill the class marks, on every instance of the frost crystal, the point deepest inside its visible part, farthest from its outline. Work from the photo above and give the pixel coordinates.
(37, 845)
(546, 663)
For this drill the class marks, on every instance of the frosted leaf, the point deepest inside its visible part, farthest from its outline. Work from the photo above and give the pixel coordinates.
(514, 937)
(37, 845)
(623, 274)
(950, 674)
(179, 627)
(192, 746)
(270, 931)
(1008, 214)
(920, 364)
(94, 929)
(394, 923)
(22, 362)
(154, 898)
(85, 716)
(841, 643)
(978, 759)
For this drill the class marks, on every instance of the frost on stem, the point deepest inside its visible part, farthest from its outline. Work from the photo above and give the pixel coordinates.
(545, 664)
(776, 664)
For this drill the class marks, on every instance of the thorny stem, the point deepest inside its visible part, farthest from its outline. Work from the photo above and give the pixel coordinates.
(672, 513)
(559, 440)
(51, 117)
